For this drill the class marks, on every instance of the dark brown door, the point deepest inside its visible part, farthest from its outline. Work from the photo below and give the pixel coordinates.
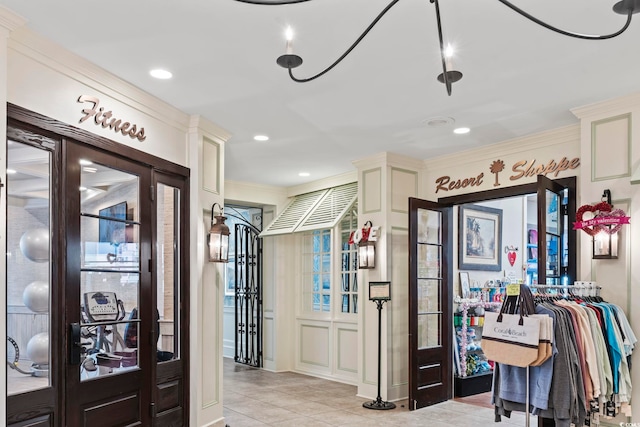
(430, 303)
(108, 289)
(556, 239)
(170, 399)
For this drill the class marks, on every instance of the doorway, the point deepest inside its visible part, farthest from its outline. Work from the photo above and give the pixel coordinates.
(431, 267)
(243, 328)
(97, 280)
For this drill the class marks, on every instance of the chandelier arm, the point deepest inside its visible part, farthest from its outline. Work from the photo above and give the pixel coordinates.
(445, 76)
(348, 51)
(569, 33)
(271, 3)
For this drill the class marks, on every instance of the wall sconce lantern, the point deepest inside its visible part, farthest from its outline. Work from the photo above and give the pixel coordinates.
(218, 238)
(366, 241)
(605, 242)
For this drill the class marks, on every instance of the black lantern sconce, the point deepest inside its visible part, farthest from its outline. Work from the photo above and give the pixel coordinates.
(605, 243)
(218, 238)
(367, 246)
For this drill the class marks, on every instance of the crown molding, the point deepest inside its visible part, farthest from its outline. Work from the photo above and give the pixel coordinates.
(10, 20)
(608, 107)
(565, 135)
(389, 159)
(213, 131)
(77, 68)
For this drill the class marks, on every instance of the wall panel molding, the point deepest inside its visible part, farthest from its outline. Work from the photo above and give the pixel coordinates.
(371, 191)
(611, 135)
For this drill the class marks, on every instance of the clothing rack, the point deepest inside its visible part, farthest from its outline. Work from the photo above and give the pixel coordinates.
(590, 288)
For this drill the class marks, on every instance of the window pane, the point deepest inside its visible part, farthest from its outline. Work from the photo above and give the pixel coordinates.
(428, 330)
(428, 296)
(345, 303)
(326, 263)
(326, 282)
(429, 226)
(168, 268)
(28, 268)
(326, 241)
(325, 303)
(110, 271)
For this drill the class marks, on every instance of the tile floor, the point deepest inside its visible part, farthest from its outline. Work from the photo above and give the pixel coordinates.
(253, 397)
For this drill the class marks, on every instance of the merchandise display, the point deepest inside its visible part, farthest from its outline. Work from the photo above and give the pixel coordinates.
(471, 363)
(588, 376)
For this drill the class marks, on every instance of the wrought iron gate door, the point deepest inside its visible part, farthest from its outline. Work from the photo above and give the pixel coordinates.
(248, 295)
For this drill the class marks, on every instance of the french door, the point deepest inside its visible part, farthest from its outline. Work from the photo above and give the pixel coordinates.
(430, 269)
(430, 303)
(97, 280)
(108, 276)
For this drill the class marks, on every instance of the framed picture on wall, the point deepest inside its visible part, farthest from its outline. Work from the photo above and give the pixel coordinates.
(464, 284)
(479, 238)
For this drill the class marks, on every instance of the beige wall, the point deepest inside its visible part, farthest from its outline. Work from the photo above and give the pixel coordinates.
(40, 76)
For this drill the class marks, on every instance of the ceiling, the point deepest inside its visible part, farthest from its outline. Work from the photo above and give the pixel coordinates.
(519, 78)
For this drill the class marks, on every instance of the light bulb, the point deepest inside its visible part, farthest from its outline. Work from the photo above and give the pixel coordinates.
(448, 54)
(289, 36)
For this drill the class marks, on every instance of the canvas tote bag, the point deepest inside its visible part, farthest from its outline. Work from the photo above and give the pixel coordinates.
(511, 339)
(545, 344)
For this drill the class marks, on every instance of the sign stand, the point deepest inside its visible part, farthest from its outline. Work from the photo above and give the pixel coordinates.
(379, 292)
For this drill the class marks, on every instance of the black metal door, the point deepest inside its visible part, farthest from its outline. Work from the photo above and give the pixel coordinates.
(248, 295)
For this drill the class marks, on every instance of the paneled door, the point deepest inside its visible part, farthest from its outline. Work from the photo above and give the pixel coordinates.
(430, 303)
(110, 335)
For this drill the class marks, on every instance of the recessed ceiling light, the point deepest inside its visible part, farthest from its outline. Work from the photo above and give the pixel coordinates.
(84, 162)
(82, 188)
(461, 131)
(261, 138)
(11, 171)
(439, 121)
(304, 174)
(161, 74)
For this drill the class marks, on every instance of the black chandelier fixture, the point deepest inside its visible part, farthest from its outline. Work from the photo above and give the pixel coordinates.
(448, 76)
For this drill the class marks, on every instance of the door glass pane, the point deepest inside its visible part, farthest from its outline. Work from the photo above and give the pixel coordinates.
(552, 267)
(110, 270)
(28, 267)
(553, 212)
(429, 226)
(428, 296)
(429, 330)
(429, 276)
(429, 261)
(168, 268)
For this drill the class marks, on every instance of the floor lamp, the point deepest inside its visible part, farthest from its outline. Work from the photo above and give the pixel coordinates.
(379, 292)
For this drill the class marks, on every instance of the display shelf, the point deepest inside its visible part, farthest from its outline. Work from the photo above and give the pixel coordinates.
(463, 322)
(472, 384)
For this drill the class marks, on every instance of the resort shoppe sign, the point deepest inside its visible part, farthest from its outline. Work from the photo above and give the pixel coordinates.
(520, 169)
(106, 119)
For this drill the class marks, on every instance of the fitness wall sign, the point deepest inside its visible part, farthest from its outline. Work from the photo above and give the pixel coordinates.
(106, 119)
(520, 169)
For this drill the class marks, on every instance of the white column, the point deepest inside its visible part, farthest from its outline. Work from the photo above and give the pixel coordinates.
(385, 182)
(206, 161)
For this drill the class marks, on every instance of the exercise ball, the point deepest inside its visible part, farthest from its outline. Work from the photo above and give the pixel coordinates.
(34, 244)
(38, 348)
(36, 296)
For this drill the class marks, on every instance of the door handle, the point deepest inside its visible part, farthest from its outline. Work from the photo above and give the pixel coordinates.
(75, 347)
